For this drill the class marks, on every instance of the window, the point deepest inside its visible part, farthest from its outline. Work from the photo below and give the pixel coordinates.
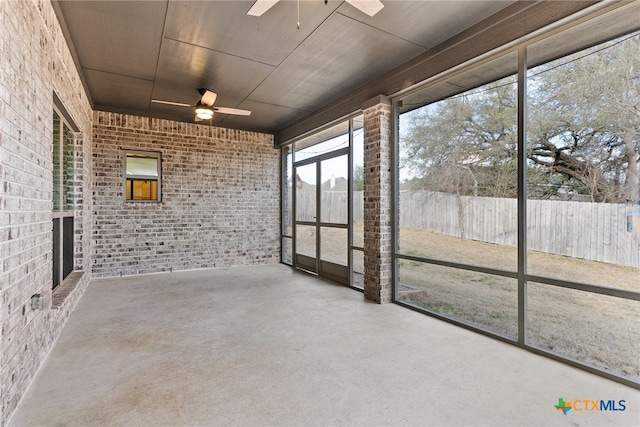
(517, 205)
(287, 203)
(63, 199)
(583, 199)
(457, 198)
(357, 199)
(142, 171)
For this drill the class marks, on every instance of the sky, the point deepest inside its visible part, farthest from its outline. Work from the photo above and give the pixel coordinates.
(337, 166)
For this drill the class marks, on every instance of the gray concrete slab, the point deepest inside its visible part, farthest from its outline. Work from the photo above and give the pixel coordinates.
(267, 345)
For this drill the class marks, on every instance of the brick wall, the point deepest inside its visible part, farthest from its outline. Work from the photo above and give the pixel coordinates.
(35, 63)
(378, 146)
(220, 198)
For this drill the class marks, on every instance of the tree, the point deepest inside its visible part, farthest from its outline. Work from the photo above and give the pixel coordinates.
(466, 143)
(358, 178)
(583, 131)
(584, 119)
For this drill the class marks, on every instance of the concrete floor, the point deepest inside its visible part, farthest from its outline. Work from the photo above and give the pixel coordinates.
(267, 345)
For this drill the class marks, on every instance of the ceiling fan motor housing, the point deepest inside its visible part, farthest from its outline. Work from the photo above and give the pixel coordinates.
(208, 97)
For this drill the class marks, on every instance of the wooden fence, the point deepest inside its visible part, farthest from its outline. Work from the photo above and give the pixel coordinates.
(603, 232)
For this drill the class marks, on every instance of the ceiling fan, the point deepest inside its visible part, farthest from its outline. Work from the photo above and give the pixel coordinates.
(370, 7)
(204, 109)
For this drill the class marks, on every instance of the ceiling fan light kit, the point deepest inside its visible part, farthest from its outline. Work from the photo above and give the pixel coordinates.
(204, 108)
(204, 112)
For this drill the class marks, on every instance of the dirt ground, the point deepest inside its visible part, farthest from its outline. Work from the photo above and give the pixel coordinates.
(597, 329)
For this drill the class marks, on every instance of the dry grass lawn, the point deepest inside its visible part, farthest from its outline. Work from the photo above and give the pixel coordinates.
(597, 329)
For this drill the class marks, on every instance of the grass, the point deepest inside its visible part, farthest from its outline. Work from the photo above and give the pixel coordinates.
(597, 329)
(416, 254)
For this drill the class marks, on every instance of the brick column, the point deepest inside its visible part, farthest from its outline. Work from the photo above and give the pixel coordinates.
(378, 145)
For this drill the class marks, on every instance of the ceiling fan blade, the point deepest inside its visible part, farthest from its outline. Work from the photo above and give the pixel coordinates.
(370, 7)
(208, 97)
(235, 111)
(261, 6)
(177, 104)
